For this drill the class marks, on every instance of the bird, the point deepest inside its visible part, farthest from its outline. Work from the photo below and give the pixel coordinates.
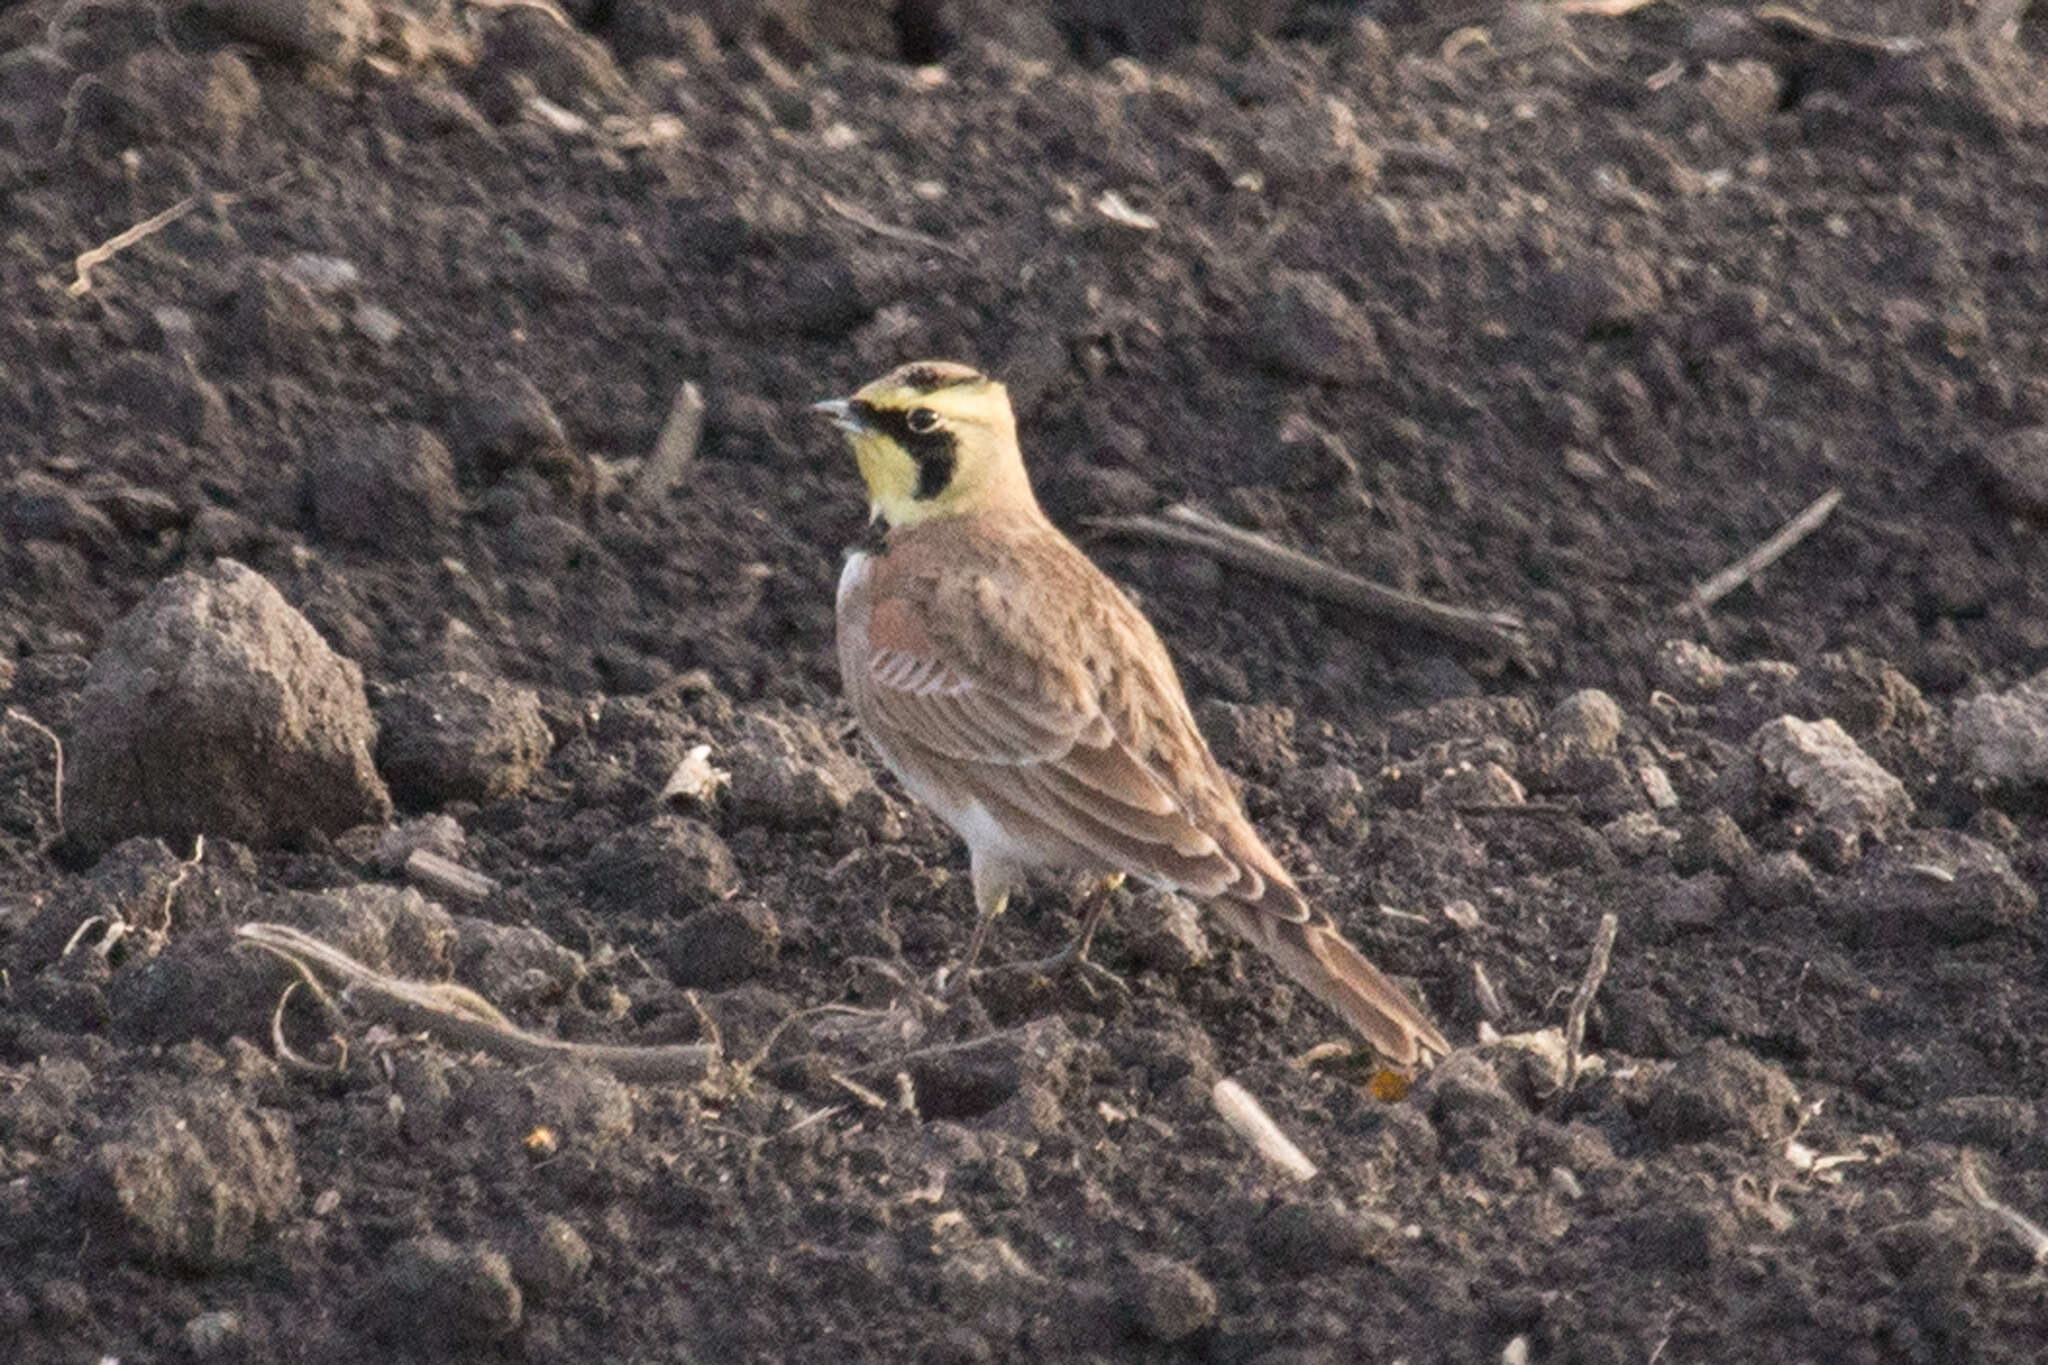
(1018, 693)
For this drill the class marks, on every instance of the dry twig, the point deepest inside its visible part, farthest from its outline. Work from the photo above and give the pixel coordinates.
(2031, 1234)
(1496, 632)
(860, 217)
(460, 1016)
(447, 878)
(1768, 553)
(1248, 1118)
(1582, 999)
(121, 241)
(57, 783)
(675, 447)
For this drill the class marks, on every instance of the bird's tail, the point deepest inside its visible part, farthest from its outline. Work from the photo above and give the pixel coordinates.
(1324, 963)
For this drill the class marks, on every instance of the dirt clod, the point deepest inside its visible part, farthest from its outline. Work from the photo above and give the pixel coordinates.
(1721, 1091)
(446, 1293)
(1168, 1300)
(194, 1180)
(215, 708)
(459, 737)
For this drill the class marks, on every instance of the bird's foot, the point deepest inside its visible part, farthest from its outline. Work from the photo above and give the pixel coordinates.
(1072, 960)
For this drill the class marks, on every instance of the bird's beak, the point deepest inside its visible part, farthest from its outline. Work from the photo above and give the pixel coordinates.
(843, 415)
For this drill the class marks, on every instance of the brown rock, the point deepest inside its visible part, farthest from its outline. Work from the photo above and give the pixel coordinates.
(215, 708)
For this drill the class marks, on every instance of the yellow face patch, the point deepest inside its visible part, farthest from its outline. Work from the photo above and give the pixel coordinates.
(932, 440)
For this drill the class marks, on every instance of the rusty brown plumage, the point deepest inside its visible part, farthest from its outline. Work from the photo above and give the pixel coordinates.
(1018, 692)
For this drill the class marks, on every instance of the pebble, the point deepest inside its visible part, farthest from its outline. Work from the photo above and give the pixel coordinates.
(1308, 1239)
(389, 487)
(1718, 1091)
(663, 869)
(722, 945)
(459, 737)
(1939, 886)
(1847, 794)
(1168, 1300)
(2016, 466)
(787, 773)
(193, 1181)
(1164, 932)
(2001, 738)
(1307, 328)
(451, 1294)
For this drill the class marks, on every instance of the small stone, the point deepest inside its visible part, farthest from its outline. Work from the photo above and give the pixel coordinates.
(1778, 881)
(1591, 298)
(1690, 670)
(389, 487)
(1465, 1099)
(451, 1295)
(192, 1182)
(569, 67)
(215, 708)
(549, 1257)
(1722, 1090)
(167, 393)
(1168, 1300)
(1639, 835)
(1476, 784)
(787, 773)
(1314, 458)
(1589, 717)
(460, 737)
(505, 424)
(1164, 932)
(2016, 466)
(214, 1335)
(1713, 842)
(1307, 328)
(1312, 145)
(663, 869)
(514, 966)
(1691, 903)
(722, 945)
(1846, 793)
(1308, 1239)
(2001, 738)
(1941, 886)
(1743, 96)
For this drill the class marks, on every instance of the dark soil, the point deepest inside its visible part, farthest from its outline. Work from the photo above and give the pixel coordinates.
(1555, 315)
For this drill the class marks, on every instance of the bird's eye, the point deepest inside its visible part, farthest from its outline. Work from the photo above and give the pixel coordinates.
(922, 420)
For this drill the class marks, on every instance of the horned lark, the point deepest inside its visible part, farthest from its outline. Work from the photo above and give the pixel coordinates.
(1018, 693)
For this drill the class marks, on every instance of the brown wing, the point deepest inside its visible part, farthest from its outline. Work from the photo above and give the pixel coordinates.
(1051, 698)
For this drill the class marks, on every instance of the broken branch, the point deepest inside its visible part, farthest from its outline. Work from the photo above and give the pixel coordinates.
(860, 217)
(1582, 999)
(459, 1016)
(121, 241)
(1496, 632)
(1248, 1118)
(1768, 553)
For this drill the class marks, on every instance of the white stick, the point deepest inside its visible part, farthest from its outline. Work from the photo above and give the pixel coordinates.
(1255, 1126)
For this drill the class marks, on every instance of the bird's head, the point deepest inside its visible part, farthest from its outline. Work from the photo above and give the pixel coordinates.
(934, 439)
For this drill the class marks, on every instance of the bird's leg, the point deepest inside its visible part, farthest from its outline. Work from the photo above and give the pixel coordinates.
(1094, 911)
(1074, 957)
(992, 882)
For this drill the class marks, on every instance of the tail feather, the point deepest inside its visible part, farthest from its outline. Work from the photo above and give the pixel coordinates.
(1325, 964)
